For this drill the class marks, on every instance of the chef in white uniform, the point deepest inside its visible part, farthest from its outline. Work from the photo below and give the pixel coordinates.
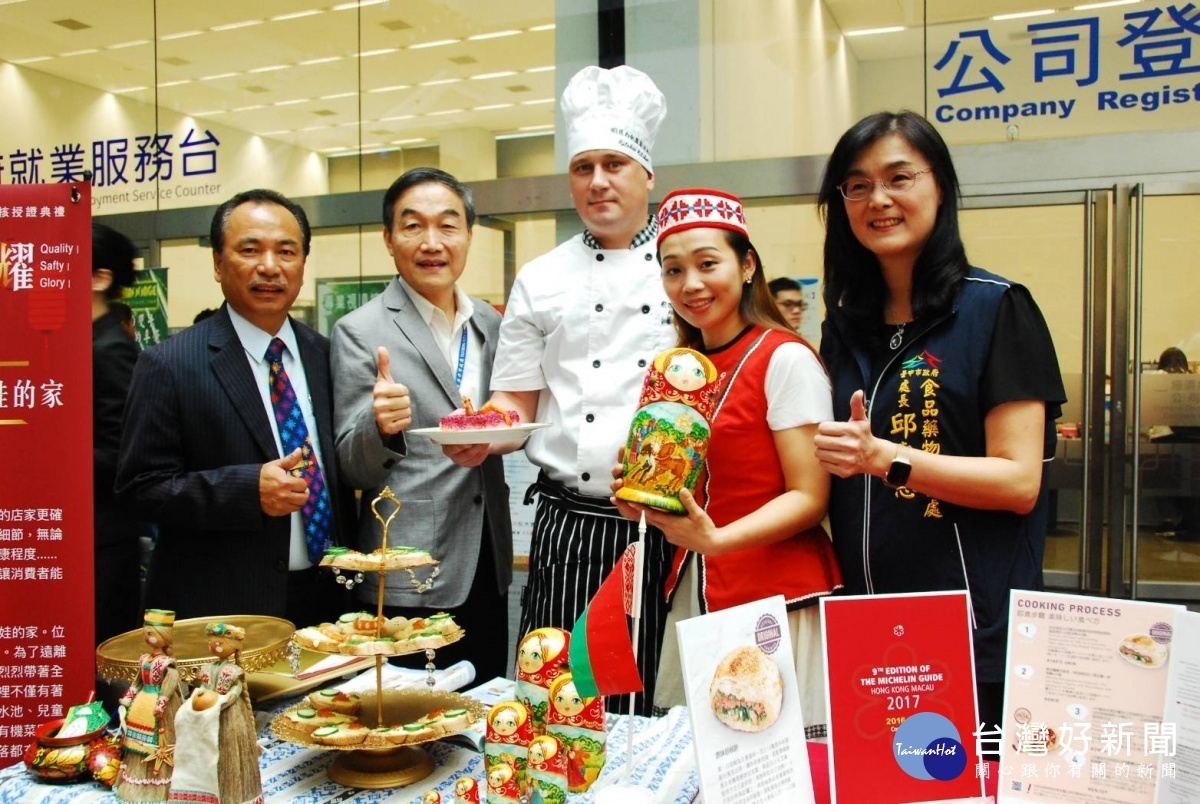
(580, 327)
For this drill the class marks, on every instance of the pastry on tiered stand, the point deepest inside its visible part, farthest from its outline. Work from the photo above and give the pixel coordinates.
(385, 559)
(379, 733)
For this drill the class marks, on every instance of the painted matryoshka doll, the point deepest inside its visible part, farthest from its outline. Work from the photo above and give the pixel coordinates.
(541, 657)
(502, 786)
(578, 723)
(466, 791)
(547, 772)
(669, 435)
(509, 733)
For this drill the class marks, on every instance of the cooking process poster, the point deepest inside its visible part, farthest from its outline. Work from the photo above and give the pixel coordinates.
(900, 680)
(739, 669)
(1084, 699)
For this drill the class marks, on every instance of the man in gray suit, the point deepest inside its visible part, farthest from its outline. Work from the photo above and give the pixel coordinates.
(405, 359)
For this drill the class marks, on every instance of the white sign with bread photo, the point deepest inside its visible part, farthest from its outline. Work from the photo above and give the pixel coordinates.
(740, 681)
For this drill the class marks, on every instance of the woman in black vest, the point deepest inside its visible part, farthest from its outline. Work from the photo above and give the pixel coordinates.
(945, 391)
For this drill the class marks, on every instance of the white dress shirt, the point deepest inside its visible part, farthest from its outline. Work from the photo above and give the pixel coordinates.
(255, 342)
(583, 324)
(448, 336)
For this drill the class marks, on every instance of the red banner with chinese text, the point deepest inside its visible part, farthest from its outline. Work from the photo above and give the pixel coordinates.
(46, 622)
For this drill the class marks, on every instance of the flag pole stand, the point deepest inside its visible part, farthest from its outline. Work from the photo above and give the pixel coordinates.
(624, 791)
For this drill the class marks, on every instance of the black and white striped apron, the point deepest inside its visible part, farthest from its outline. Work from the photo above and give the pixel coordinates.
(576, 543)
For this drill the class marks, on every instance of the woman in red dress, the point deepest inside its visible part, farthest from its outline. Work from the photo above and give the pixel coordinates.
(753, 529)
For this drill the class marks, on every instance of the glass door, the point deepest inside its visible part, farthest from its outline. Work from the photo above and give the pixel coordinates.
(1161, 544)
(1056, 245)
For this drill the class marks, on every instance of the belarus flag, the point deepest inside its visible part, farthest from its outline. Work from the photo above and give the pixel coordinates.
(602, 658)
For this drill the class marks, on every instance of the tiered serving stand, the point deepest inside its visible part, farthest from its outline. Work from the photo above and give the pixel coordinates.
(379, 767)
(267, 642)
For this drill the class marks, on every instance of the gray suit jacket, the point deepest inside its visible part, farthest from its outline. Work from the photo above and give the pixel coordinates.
(443, 503)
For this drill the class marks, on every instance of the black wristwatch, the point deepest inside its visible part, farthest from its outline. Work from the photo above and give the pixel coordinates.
(900, 469)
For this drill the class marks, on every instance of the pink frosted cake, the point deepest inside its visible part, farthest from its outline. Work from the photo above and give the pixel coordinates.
(488, 416)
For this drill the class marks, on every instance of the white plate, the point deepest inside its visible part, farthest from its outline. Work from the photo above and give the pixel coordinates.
(487, 435)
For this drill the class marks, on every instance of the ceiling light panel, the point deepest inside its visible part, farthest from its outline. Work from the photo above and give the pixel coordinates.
(353, 63)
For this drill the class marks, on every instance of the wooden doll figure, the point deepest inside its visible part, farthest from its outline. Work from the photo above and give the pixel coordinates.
(502, 786)
(431, 797)
(541, 657)
(578, 723)
(466, 791)
(509, 732)
(216, 757)
(669, 435)
(547, 771)
(148, 728)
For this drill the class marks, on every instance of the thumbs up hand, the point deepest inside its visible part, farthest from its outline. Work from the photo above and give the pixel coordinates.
(393, 409)
(848, 448)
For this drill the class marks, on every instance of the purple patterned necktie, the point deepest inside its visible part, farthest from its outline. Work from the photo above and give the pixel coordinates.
(293, 433)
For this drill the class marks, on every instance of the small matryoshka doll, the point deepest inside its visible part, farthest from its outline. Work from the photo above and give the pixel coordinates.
(466, 791)
(547, 770)
(541, 657)
(578, 723)
(431, 797)
(509, 732)
(669, 435)
(502, 785)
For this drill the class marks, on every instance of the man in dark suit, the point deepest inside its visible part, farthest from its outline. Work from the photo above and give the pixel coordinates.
(203, 454)
(406, 358)
(114, 353)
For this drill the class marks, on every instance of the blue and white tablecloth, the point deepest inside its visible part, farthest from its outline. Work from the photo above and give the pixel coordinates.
(664, 763)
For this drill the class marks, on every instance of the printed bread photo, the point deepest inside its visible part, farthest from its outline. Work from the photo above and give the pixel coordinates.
(746, 692)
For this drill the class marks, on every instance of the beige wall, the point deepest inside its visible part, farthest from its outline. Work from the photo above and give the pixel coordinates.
(782, 80)
(1043, 249)
(1172, 264)
(379, 170)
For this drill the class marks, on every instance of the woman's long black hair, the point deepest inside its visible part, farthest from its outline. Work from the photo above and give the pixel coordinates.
(854, 288)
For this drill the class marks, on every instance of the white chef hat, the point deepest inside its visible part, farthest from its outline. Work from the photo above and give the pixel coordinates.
(617, 110)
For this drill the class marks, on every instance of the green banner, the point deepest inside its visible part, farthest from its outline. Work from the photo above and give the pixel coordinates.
(147, 298)
(336, 297)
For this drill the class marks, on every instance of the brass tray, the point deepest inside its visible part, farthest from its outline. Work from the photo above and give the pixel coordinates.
(374, 767)
(450, 640)
(399, 707)
(277, 680)
(267, 640)
(328, 563)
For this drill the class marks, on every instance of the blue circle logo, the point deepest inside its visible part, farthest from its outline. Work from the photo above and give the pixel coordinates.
(928, 747)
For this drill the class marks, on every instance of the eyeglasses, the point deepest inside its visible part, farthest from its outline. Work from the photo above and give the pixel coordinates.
(860, 189)
(792, 305)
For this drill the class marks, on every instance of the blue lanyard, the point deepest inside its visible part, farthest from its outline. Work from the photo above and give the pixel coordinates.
(462, 358)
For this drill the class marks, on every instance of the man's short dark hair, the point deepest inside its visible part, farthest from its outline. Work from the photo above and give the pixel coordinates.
(114, 252)
(777, 286)
(123, 311)
(425, 175)
(216, 232)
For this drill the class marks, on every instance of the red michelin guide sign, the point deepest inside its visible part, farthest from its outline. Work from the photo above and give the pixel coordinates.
(47, 652)
(900, 681)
